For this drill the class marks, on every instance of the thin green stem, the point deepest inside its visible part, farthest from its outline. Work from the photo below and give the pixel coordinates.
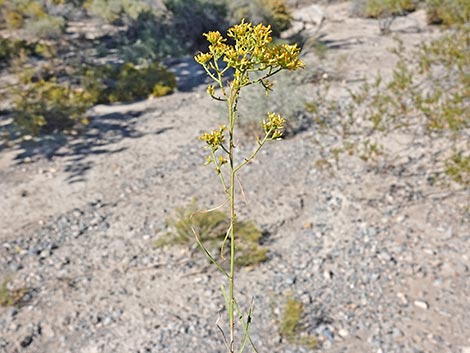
(231, 107)
(255, 152)
(218, 167)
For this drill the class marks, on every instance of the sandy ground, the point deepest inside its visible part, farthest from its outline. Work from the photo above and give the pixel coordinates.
(379, 257)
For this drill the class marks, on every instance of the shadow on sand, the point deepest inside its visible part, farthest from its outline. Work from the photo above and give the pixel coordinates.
(97, 138)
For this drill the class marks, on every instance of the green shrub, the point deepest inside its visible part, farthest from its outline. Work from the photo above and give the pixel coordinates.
(10, 49)
(11, 297)
(45, 27)
(45, 105)
(448, 12)
(32, 16)
(457, 168)
(385, 11)
(128, 82)
(287, 99)
(273, 12)
(388, 8)
(191, 18)
(211, 228)
(117, 10)
(13, 48)
(150, 38)
(290, 326)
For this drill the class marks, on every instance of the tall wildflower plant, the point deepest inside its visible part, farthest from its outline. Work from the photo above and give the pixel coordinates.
(249, 54)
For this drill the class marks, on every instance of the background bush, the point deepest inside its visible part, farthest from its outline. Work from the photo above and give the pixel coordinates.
(31, 16)
(273, 12)
(45, 105)
(287, 99)
(448, 12)
(128, 82)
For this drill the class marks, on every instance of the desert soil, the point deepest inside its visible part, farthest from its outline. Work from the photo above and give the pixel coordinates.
(379, 257)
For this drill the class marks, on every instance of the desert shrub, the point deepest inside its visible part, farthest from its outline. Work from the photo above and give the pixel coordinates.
(211, 228)
(273, 12)
(428, 94)
(290, 326)
(117, 10)
(192, 18)
(384, 10)
(152, 36)
(287, 99)
(388, 8)
(448, 12)
(128, 82)
(149, 38)
(46, 105)
(45, 27)
(32, 16)
(11, 297)
(10, 48)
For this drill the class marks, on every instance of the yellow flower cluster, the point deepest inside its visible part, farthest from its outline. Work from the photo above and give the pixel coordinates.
(215, 138)
(251, 51)
(274, 125)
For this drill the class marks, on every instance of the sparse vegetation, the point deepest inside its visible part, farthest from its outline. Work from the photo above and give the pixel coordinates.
(290, 326)
(448, 12)
(385, 11)
(273, 12)
(212, 228)
(11, 297)
(286, 99)
(128, 82)
(428, 93)
(43, 104)
(31, 16)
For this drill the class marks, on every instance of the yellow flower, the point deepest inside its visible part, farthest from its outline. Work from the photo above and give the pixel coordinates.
(273, 125)
(203, 58)
(215, 138)
(214, 37)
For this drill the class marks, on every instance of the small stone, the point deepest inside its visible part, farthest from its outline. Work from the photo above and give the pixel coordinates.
(402, 298)
(44, 254)
(328, 275)
(465, 349)
(343, 333)
(308, 225)
(26, 341)
(421, 304)
(396, 332)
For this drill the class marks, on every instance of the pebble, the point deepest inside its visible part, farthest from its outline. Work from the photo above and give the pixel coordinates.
(421, 304)
(26, 341)
(402, 298)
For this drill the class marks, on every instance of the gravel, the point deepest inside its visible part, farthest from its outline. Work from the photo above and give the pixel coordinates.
(378, 257)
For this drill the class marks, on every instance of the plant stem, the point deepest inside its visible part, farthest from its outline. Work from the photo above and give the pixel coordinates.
(231, 106)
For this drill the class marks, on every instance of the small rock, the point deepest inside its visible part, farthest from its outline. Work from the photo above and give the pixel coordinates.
(465, 349)
(26, 341)
(343, 333)
(402, 298)
(328, 275)
(421, 304)
(44, 254)
(396, 332)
